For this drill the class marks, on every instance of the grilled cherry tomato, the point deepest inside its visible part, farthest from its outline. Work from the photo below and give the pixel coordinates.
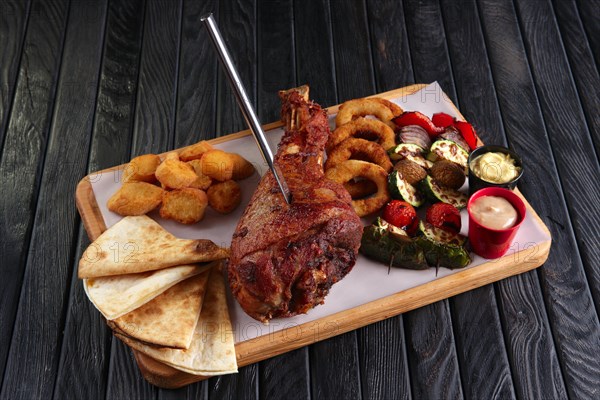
(401, 214)
(444, 216)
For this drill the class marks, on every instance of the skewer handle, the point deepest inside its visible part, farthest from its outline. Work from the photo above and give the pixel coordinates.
(244, 102)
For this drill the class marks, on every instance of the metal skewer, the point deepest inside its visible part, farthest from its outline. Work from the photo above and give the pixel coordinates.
(244, 102)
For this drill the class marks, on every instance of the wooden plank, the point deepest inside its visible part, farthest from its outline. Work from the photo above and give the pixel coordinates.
(581, 62)
(27, 134)
(576, 162)
(197, 88)
(14, 15)
(566, 294)
(587, 78)
(431, 352)
(484, 366)
(287, 375)
(588, 12)
(389, 44)
(154, 123)
(382, 349)
(37, 334)
(237, 22)
(125, 382)
(315, 65)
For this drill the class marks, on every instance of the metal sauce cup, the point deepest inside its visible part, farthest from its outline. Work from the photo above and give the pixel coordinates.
(476, 183)
(494, 243)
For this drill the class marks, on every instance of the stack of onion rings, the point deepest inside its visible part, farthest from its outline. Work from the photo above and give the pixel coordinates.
(383, 110)
(351, 169)
(358, 149)
(363, 128)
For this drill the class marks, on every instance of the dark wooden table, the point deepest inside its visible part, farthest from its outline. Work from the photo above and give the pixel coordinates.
(86, 84)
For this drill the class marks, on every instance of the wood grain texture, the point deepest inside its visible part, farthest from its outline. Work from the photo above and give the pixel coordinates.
(570, 307)
(484, 366)
(287, 375)
(27, 134)
(237, 22)
(588, 10)
(154, 123)
(352, 51)
(197, 88)
(384, 370)
(115, 104)
(48, 270)
(428, 48)
(429, 336)
(13, 23)
(581, 61)
(335, 376)
(315, 64)
(126, 382)
(560, 106)
(389, 44)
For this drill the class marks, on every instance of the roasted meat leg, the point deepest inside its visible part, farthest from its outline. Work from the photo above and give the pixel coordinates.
(285, 258)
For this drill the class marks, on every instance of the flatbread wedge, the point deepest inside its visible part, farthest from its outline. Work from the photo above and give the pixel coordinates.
(170, 318)
(139, 244)
(118, 295)
(212, 351)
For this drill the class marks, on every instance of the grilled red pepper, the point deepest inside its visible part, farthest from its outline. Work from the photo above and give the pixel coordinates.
(401, 214)
(442, 120)
(422, 120)
(467, 132)
(444, 216)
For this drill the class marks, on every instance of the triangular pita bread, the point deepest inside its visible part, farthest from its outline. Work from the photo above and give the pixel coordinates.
(117, 295)
(212, 351)
(170, 318)
(139, 244)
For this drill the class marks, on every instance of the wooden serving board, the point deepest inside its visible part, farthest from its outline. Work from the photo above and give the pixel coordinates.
(285, 340)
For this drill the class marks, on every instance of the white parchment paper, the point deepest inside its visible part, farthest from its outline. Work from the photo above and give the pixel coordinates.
(368, 281)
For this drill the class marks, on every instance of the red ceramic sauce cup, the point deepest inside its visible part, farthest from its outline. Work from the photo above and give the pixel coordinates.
(494, 243)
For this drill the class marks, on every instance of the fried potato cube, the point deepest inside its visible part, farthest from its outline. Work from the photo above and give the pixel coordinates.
(141, 169)
(175, 174)
(203, 182)
(218, 165)
(135, 198)
(195, 151)
(172, 156)
(242, 168)
(186, 206)
(224, 197)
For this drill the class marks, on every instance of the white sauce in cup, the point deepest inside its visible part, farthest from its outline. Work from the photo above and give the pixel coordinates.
(494, 212)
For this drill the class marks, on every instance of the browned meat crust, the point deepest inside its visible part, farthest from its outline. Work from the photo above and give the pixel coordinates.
(285, 258)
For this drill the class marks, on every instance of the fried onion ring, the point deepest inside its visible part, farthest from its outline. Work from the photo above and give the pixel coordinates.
(369, 129)
(360, 188)
(358, 149)
(383, 109)
(350, 169)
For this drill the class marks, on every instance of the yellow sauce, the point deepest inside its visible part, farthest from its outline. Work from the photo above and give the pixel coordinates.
(494, 212)
(495, 167)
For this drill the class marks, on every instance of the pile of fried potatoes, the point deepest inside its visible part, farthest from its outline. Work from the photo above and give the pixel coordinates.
(182, 184)
(357, 151)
